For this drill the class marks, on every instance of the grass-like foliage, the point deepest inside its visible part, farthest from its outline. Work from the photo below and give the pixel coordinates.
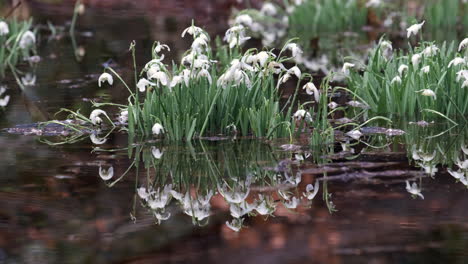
(17, 44)
(212, 93)
(425, 79)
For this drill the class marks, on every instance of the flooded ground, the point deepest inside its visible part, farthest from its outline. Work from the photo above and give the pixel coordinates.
(180, 203)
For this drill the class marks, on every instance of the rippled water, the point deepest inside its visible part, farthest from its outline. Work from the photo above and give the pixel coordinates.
(57, 209)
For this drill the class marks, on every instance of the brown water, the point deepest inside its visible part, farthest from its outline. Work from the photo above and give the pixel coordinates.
(57, 209)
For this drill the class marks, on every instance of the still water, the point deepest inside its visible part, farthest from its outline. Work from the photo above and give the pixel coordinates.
(100, 200)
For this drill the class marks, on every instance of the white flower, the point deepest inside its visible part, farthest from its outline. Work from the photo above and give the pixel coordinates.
(143, 193)
(430, 169)
(106, 174)
(160, 47)
(157, 129)
(425, 69)
(239, 210)
(462, 74)
(354, 134)
(263, 57)
(4, 28)
(27, 40)
(414, 29)
(160, 76)
(235, 225)
(296, 71)
(268, 9)
(346, 67)
(456, 61)
(465, 84)
(205, 73)
(423, 156)
(332, 105)
(244, 19)
(192, 30)
(176, 80)
(4, 101)
(294, 48)
(142, 83)
(157, 154)
(415, 59)
(236, 195)
(264, 205)
(105, 77)
(94, 116)
(303, 114)
(97, 140)
(29, 79)
(123, 117)
(428, 92)
(292, 204)
(311, 190)
(312, 90)
(402, 68)
(414, 189)
(396, 79)
(200, 43)
(462, 164)
(373, 3)
(463, 44)
(456, 174)
(430, 50)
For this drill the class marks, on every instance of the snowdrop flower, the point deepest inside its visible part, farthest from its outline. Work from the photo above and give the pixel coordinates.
(161, 77)
(235, 225)
(456, 61)
(333, 105)
(294, 48)
(157, 129)
(291, 204)
(462, 74)
(402, 69)
(430, 169)
(2, 90)
(192, 30)
(354, 134)
(200, 43)
(463, 44)
(420, 155)
(312, 90)
(4, 30)
(157, 154)
(358, 104)
(414, 29)
(464, 149)
(415, 59)
(268, 9)
(311, 190)
(160, 198)
(94, 116)
(293, 180)
(456, 174)
(105, 77)
(236, 195)
(414, 189)
(106, 174)
(27, 40)
(177, 80)
(462, 164)
(425, 69)
(29, 79)
(264, 205)
(346, 67)
(123, 117)
(97, 140)
(244, 19)
(465, 84)
(143, 193)
(302, 114)
(263, 57)
(373, 3)
(296, 71)
(160, 47)
(430, 50)
(205, 73)
(396, 79)
(239, 210)
(4, 101)
(161, 216)
(80, 9)
(428, 92)
(143, 83)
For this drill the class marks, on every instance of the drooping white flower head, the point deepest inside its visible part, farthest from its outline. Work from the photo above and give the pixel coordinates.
(29, 79)
(205, 73)
(430, 50)
(312, 90)
(97, 140)
(396, 79)
(428, 92)
(265, 205)
(354, 134)
(106, 174)
(157, 129)
(123, 117)
(160, 47)
(415, 59)
(27, 40)
(4, 101)
(245, 20)
(333, 105)
(143, 83)
(425, 69)
(4, 30)
(157, 154)
(235, 225)
(94, 116)
(294, 48)
(303, 114)
(414, 29)
(402, 69)
(296, 71)
(456, 174)
(374, 3)
(143, 193)
(311, 190)
(105, 77)
(193, 30)
(292, 204)
(346, 67)
(268, 9)
(160, 76)
(456, 61)
(463, 44)
(414, 189)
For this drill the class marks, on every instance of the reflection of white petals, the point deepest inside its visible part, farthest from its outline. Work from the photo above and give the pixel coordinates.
(292, 204)
(29, 79)
(414, 189)
(235, 225)
(456, 174)
(311, 190)
(106, 174)
(462, 164)
(157, 154)
(4, 101)
(355, 134)
(97, 140)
